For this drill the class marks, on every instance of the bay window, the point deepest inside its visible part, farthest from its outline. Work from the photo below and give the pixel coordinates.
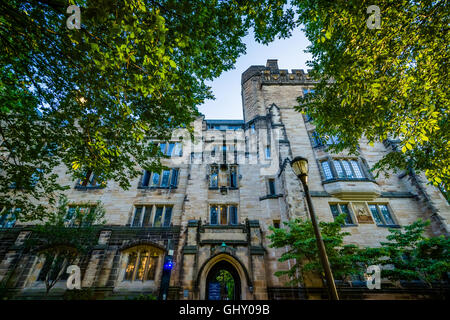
(342, 169)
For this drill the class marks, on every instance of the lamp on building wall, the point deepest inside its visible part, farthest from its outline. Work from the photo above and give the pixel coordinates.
(300, 167)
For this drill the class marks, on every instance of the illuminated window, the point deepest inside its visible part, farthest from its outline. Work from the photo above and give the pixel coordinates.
(141, 265)
(223, 215)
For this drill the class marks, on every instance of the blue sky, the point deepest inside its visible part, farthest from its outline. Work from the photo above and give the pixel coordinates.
(227, 88)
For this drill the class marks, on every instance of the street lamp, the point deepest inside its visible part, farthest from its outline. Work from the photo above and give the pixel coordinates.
(300, 167)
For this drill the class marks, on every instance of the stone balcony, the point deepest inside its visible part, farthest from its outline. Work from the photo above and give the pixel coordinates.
(353, 189)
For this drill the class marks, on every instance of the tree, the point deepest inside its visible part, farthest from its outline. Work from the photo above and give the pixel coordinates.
(380, 83)
(409, 255)
(226, 281)
(96, 98)
(345, 260)
(68, 236)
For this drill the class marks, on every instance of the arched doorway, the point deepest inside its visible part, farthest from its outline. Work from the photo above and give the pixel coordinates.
(223, 282)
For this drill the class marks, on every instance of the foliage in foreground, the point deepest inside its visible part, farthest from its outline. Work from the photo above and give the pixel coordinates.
(64, 240)
(408, 255)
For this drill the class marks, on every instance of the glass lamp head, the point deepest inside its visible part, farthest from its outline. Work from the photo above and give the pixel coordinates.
(300, 166)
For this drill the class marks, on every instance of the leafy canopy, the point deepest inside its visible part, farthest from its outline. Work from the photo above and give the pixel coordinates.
(94, 99)
(378, 84)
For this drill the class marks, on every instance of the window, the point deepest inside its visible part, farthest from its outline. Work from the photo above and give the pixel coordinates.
(165, 179)
(319, 141)
(306, 91)
(345, 169)
(276, 224)
(444, 191)
(7, 217)
(342, 208)
(268, 155)
(327, 170)
(76, 215)
(333, 139)
(381, 214)
(90, 180)
(141, 265)
(231, 176)
(152, 216)
(178, 150)
(52, 267)
(171, 149)
(223, 215)
(271, 183)
(252, 128)
(214, 176)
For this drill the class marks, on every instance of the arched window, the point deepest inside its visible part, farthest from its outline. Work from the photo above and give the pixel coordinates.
(142, 263)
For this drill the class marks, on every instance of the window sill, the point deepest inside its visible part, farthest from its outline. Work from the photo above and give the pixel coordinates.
(396, 226)
(349, 225)
(223, 226)
(348, 179)
(271, 196)
(154, 188)
(81, 188)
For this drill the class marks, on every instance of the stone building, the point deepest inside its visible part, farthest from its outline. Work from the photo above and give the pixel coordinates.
(172, 232)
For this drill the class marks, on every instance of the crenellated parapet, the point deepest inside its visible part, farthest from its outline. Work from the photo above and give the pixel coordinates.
(272, 75)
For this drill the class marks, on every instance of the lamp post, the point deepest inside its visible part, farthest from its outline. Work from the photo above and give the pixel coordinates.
(300, 167)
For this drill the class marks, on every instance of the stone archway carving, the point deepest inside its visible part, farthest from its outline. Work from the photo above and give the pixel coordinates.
(246, 282)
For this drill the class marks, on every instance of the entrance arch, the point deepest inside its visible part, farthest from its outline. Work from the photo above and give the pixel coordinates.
(223, 282)
(229, 263)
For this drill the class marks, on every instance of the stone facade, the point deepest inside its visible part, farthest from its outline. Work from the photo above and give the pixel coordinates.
(240, 168)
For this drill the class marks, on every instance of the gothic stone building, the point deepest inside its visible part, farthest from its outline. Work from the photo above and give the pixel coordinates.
(171, 232)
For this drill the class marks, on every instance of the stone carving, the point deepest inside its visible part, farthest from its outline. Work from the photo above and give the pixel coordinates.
(362, 214)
